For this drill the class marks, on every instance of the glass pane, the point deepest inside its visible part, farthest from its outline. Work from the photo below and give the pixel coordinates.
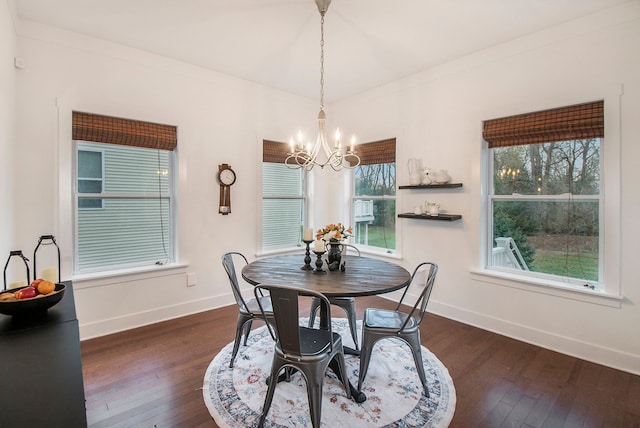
(132, 169)
(551, 237)
(281, 223)
(125, 232)
(89, 186)
(278, 180)
(375, 180)
(89, 203)
(89, 164)
(375, 223)
(548, 169)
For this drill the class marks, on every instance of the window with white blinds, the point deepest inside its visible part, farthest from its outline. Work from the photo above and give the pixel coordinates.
(283, 206)
(124, 200)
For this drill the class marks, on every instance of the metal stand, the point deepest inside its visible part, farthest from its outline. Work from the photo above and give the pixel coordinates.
(307, 257)
(26, 264)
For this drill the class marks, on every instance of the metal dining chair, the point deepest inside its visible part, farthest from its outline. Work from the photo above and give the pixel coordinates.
(299, 348)
(248, 309)
(383, 323)
(348, 304)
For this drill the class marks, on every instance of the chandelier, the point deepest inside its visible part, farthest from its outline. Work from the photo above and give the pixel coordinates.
(305, 156)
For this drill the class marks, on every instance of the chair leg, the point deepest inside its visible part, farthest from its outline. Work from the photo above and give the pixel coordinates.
(365, 356)
(236, 343)
(351, 316)
(414, 343)
(315, 304)
(273, 381)
(338, 366)
(246, 331)
(314, 392)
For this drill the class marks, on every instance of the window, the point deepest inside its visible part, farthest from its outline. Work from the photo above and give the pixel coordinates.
(374, 196)
(283, 199)
(546, 201)
(123, 193)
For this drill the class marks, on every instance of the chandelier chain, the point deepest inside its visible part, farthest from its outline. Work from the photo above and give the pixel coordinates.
(322, 63)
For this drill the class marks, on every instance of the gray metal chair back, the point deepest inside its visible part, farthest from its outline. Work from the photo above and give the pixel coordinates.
(298, 348)
(248, 309)
(383, 323)
(229, 267)
(420, 306)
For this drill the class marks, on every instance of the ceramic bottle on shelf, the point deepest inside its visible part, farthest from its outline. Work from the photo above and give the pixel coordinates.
(415, 171)
(426, 177)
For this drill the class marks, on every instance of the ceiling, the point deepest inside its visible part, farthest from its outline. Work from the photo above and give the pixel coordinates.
(277, 42)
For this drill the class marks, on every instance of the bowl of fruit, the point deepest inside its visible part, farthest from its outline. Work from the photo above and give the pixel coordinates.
(39, 296)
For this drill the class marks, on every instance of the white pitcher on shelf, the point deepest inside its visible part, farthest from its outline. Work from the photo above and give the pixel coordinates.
(415, 171)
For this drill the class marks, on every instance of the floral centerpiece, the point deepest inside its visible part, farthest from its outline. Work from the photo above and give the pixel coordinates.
(333, 233)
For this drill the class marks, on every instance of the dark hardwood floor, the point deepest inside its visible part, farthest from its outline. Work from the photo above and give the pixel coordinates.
(152, 376)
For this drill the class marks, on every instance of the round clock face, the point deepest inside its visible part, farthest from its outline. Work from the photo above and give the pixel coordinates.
(227, 177)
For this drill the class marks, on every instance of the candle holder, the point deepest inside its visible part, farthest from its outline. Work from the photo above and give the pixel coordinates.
(307, 256)
(319, 262)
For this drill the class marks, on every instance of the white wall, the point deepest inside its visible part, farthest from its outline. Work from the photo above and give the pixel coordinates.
(437, 116)
(220, 119)
(7, 128)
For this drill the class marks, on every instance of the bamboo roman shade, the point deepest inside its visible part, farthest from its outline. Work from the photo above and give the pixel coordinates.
(274, 152)
(383, 151)
(560, 124)
(370, 153)
(127, 132)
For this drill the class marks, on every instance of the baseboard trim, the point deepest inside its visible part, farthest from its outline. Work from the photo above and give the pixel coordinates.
(566, 345)
(140, 319)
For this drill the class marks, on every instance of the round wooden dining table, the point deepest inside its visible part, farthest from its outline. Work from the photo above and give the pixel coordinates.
(363, 276)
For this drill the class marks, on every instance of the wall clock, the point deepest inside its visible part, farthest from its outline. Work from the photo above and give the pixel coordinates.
(226, 178)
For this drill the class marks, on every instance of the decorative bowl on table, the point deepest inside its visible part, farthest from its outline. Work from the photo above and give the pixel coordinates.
(33, 305)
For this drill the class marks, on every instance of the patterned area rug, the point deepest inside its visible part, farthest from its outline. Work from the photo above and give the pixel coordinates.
(235, 396)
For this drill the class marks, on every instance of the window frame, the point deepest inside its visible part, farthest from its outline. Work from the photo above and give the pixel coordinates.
(369, 155)
(610, 292)
(170, 197)
(274, 152)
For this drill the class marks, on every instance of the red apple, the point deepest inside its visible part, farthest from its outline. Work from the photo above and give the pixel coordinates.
(35, 283)
(26, 293)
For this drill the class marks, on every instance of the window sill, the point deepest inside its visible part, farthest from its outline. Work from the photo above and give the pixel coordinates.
(543, 286)
(99, 279)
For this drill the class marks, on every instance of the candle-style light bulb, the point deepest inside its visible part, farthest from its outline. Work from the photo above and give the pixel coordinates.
(337, 137)
(353, 142)
(292, 145)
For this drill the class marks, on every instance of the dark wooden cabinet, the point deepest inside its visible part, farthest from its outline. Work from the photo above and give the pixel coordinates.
(41, 369)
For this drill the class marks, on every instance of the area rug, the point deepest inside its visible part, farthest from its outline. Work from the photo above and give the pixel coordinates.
(235, 396)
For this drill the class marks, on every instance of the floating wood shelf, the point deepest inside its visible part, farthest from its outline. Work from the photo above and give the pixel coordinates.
(441, 217)
(432, 186)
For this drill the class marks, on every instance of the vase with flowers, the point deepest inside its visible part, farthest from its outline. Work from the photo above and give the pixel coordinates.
(333, 235)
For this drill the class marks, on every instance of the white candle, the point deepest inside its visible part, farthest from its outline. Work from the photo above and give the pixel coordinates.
(308, 234)
(319, 246)
(50, 274)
